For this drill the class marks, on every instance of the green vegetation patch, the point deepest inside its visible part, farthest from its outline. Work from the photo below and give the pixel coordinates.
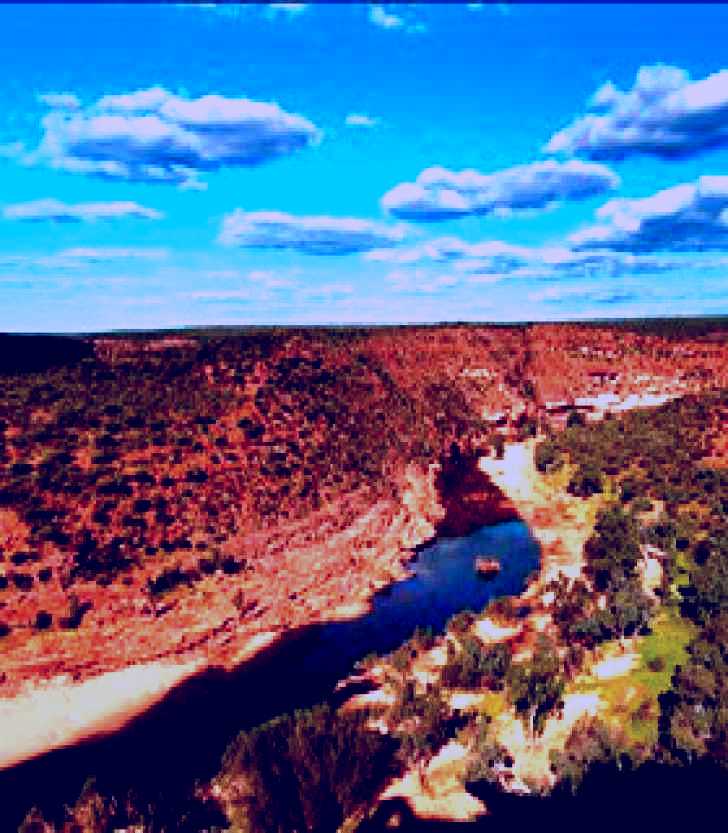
(665, 646)
(631, 699)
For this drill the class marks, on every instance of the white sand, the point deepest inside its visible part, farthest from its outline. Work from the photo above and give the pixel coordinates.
(614, 666)
(442, 794)
(60, 713)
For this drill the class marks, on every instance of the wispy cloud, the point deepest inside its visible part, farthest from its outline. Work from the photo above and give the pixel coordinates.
(55, 210)
(664, 114)
(101, 254)
(586, 293)
(441, 194)
(316, 235)
(60, 101)
(360, 120)
(80, 256)
(326, 291)
(492, 260)
(287, 9)
(421, 281)
(379, 16)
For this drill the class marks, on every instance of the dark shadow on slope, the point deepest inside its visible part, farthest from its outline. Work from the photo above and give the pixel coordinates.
(469, 497)
(653, 797)
(36, 353)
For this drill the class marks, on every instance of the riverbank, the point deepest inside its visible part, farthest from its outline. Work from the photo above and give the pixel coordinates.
(47, 705)
(333, 580)
(616, 683)
(561, 524)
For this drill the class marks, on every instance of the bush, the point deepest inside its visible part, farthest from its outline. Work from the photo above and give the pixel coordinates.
(656, 664)
(461, 622)
(613, 551)
(535, 687)
(167, 580)
(43, 620)
(575, 419)
(591, 742)
(547, 457)
(586, 481)
(474, 665)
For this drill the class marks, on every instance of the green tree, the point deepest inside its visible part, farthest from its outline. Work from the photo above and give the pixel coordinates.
(547, 456)
(613, 551)
(305, 772)
(590, 742)
(587, 480)
(535, 687)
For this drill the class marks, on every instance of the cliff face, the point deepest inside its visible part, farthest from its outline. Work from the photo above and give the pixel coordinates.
(469, 497)
(186, 498)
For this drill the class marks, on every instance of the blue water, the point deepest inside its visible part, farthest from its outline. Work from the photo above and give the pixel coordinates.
(444, 582)
(185, 736)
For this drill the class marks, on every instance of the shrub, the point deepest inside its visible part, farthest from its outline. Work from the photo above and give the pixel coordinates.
(591, 742)
(656, 664)
(586, 481)
(575, 419)
(167, 580)
(43, 620)
(547, 457)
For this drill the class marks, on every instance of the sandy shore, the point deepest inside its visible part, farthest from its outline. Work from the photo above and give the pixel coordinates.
(60, 712)
(559, 522)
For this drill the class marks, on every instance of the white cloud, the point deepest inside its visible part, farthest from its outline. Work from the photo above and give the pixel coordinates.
(441, 194)
(686, 217)
(360, 120)
(664, 114)
(154, 136)
(288, 9)
(379, 16)
(420, 281)
(60, 101)
(490, 260)
(101, 254)
(55, 210)
(81, 256)
(319, 235)
(326, 291)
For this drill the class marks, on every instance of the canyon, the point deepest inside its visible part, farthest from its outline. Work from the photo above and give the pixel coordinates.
(293, 476)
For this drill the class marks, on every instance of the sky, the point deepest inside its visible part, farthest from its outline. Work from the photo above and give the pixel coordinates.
(173, 165)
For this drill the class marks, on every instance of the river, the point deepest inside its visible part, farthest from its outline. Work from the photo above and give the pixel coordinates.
(183, 737)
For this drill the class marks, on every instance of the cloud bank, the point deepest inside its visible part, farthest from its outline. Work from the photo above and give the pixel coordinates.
(494, 258)
(664, 114)
(441, 194)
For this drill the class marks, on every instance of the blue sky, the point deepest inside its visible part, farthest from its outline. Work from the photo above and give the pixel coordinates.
(170, 165)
